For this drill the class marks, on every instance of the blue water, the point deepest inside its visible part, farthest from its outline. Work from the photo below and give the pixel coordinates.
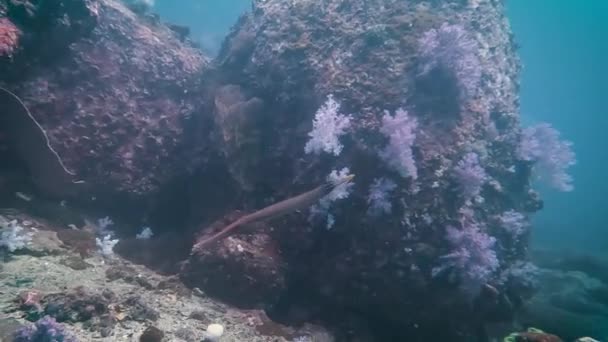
(564, 48)
(208, 20)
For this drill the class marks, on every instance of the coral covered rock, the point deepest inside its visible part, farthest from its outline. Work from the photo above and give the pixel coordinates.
(115, 92)
(424, 85)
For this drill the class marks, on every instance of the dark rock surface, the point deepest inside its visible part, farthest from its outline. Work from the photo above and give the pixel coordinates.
(138, 107)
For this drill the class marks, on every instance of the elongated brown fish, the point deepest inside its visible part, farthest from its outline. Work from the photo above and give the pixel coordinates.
(289, 205)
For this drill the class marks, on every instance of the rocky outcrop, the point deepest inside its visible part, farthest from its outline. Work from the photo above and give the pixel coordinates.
(245, 270)
(117, 93)
(282, 61)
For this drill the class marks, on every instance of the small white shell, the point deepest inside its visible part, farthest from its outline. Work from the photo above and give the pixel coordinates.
(215, 331)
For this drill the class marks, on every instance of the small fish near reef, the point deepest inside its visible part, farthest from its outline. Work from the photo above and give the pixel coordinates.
(284, 207)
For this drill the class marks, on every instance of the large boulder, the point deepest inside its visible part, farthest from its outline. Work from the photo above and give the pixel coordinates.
(117, 94)
(452, 66)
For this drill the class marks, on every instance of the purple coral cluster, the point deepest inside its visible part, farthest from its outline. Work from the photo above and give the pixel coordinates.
(45, 329)
(470, 175)
(451, 48)
(472, 257)
(552, 156)
(328, 125)
(400, 129)
(513, 222)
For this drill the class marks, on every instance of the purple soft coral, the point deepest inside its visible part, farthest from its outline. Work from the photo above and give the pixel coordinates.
(472, 256)
(470, 175)
(379, 196)
(328, 126)
(452, 48)
(541, 144)
(401, 132)
(45, 329)
(513, 222)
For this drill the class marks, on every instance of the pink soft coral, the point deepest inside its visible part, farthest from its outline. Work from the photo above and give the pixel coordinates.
(9, 37)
